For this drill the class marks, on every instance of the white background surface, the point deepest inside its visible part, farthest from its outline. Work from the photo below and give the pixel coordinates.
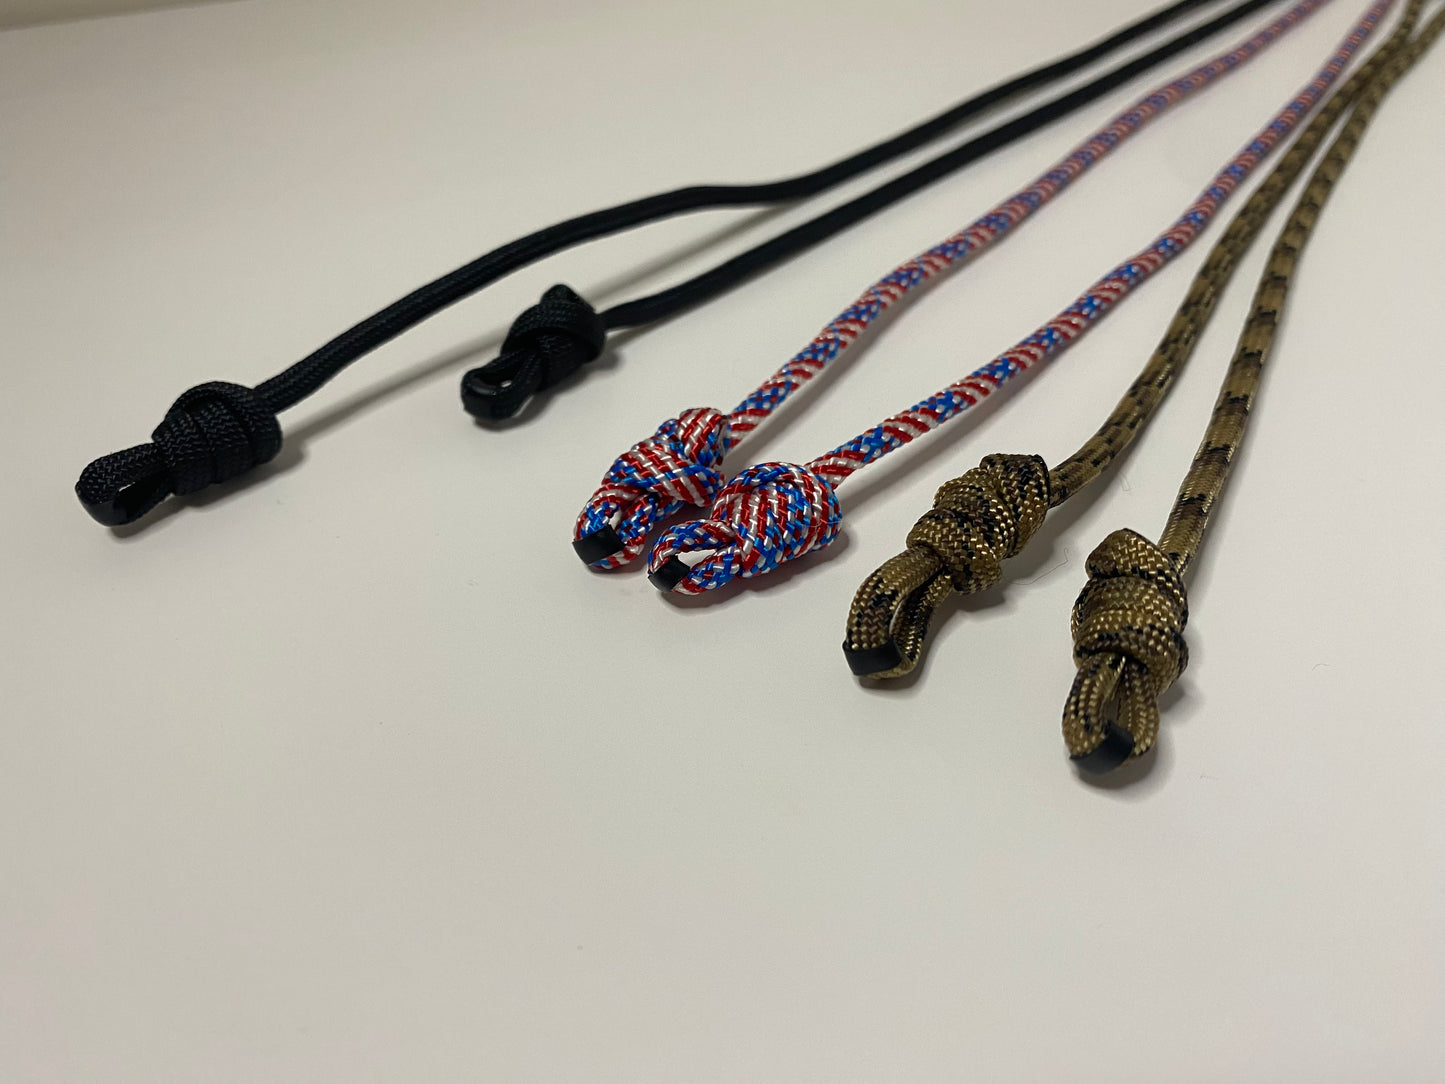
(354, 773)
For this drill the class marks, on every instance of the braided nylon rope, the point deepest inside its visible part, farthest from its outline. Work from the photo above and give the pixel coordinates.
(711, 541)
(642, 486)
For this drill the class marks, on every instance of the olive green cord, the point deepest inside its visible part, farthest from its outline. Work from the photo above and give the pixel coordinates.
(1128, 622)
(991, 512)
(1193, 315)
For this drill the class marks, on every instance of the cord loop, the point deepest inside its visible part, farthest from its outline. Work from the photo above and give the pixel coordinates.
(212, 433)
(546, 344)
(679, 464)
(1128, 627)
(977, 520)
(768, 514)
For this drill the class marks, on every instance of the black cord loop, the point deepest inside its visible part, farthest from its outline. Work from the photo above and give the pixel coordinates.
(546, 344)
(211, 434)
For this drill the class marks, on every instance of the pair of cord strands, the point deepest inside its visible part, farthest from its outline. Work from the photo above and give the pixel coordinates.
(1128, 623)
(775, 512)
(220, 430)
(680, 463)
(989, 513)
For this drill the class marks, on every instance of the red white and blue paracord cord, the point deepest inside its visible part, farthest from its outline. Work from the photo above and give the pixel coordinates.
(774, 512)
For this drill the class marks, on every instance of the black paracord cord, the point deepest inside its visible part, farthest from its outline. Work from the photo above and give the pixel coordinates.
(219, 430)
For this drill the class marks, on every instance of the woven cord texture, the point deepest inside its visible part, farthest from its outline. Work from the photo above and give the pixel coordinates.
(889, 619)
(1129, 620)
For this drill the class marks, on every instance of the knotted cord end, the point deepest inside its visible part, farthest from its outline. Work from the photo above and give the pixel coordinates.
(212, 433)
(546, 344)
(768, 514)
(1128, 628)
(679, 464)
(977, 520)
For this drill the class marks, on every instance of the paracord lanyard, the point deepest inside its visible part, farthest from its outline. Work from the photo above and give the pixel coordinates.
(774, 512)
(219, 430)
(1128, 623)
(991, 512)
(681, 462)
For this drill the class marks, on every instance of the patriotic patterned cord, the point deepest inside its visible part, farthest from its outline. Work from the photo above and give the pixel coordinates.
(775, 512)
(679, 464)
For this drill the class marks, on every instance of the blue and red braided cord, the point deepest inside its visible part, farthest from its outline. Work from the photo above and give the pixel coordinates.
(774, 512)
(680, 463)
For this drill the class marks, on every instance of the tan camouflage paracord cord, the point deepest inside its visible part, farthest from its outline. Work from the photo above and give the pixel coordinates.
(991, 512)
(1128, 622)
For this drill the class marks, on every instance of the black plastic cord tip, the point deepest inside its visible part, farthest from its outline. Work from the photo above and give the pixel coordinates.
(128, 505)
(1117, 747)
(672, 573)
(482, 398)
(598, 546)
(867, 661)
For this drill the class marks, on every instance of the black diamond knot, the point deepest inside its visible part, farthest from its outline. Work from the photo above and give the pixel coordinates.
(214, 432)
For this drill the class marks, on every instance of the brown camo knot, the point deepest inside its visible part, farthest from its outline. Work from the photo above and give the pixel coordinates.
(1128, 627)
(977, 520)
